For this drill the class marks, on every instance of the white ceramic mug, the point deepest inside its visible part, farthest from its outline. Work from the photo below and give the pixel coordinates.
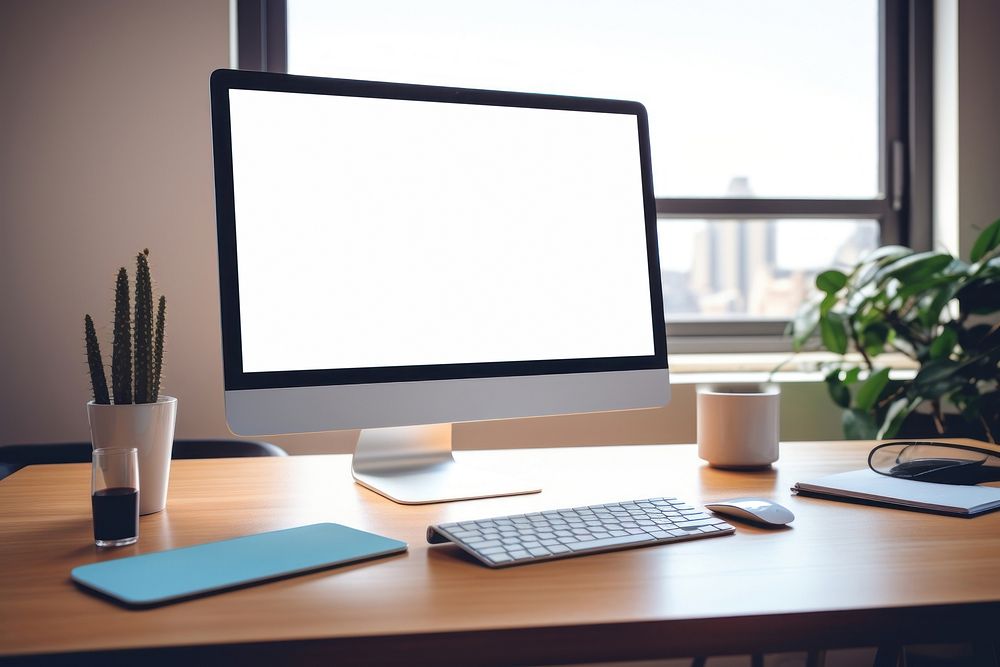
(149, 427)
(738, 425)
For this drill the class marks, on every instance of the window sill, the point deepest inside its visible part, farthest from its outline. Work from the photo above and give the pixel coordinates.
(759, 367)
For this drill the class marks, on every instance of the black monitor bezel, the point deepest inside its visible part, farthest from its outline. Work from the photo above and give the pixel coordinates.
(222, 81)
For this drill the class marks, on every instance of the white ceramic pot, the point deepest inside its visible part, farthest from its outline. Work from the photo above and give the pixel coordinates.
(738, 425)
(149, 427)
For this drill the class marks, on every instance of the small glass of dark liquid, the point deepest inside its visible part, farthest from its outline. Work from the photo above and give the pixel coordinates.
(114, 496)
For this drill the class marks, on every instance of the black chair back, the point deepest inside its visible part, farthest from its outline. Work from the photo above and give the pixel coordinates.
(15, 457)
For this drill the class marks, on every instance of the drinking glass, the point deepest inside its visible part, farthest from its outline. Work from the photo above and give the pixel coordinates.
(114, 496)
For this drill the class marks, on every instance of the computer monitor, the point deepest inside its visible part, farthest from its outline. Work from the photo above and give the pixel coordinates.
(396, 258)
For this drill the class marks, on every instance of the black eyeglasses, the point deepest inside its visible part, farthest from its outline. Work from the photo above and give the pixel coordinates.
(939, 462)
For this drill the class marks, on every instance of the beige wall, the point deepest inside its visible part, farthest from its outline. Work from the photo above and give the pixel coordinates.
(106, 150)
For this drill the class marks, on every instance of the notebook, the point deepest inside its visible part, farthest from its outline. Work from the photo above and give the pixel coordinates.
(166, 576)
(868, 486)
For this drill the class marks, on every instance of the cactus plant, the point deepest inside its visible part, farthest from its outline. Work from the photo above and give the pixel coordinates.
(97, 377)
(143, 329)
(121, 349)
(135, 345)
(161, 314)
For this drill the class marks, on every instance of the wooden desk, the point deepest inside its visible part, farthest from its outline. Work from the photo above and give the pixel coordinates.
(844, 575)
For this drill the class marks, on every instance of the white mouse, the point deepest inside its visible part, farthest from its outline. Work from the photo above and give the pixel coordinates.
(757, 510)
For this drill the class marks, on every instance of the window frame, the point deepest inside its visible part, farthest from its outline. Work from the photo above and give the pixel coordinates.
(902, 208)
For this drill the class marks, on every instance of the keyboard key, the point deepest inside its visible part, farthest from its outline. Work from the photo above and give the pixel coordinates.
(519, 555)
(539, 551)
(500, 558)
(486, 544)
(611, 541)
(694, 524)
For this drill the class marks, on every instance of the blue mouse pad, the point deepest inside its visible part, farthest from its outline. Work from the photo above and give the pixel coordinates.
(164, 576)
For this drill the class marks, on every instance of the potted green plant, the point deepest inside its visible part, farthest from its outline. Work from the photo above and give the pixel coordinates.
(133, 413)
(933, 308)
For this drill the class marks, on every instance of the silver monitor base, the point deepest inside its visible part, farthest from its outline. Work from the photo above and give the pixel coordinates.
(414, 465)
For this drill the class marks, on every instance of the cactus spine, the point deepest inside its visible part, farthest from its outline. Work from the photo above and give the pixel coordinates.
(148, 346)
(143, 330)
(161, 315)
(121, 349)
(97, 378)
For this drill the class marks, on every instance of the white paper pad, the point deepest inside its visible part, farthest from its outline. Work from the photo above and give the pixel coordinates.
(867, 484)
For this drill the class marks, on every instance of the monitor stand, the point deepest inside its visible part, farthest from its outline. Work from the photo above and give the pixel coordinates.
(413, 465)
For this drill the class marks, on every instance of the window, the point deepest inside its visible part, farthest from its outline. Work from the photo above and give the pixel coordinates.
(777, 126)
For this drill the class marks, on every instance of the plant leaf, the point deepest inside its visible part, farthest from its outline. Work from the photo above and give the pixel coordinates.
(980, 296)
(935, 370)
(987, 241)
(887, 252)
(874, 338)
(943, 345)
(804, 324)
(831, 281)
(858, 425)
(895, 416)
(839, 392)
(916, 266)
(927, 286)
(827, 304)
(833, 333)
(937, 378)
(871, 390)
(930, 314)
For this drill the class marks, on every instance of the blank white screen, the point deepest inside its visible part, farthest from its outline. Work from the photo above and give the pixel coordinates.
(375, 233)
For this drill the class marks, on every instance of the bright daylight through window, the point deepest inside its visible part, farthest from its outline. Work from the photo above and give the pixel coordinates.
(772, 99)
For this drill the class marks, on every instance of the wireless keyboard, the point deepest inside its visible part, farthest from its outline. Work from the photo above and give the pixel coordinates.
(527, 538)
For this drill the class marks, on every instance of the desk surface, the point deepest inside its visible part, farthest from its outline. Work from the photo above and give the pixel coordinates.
(842, 575)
